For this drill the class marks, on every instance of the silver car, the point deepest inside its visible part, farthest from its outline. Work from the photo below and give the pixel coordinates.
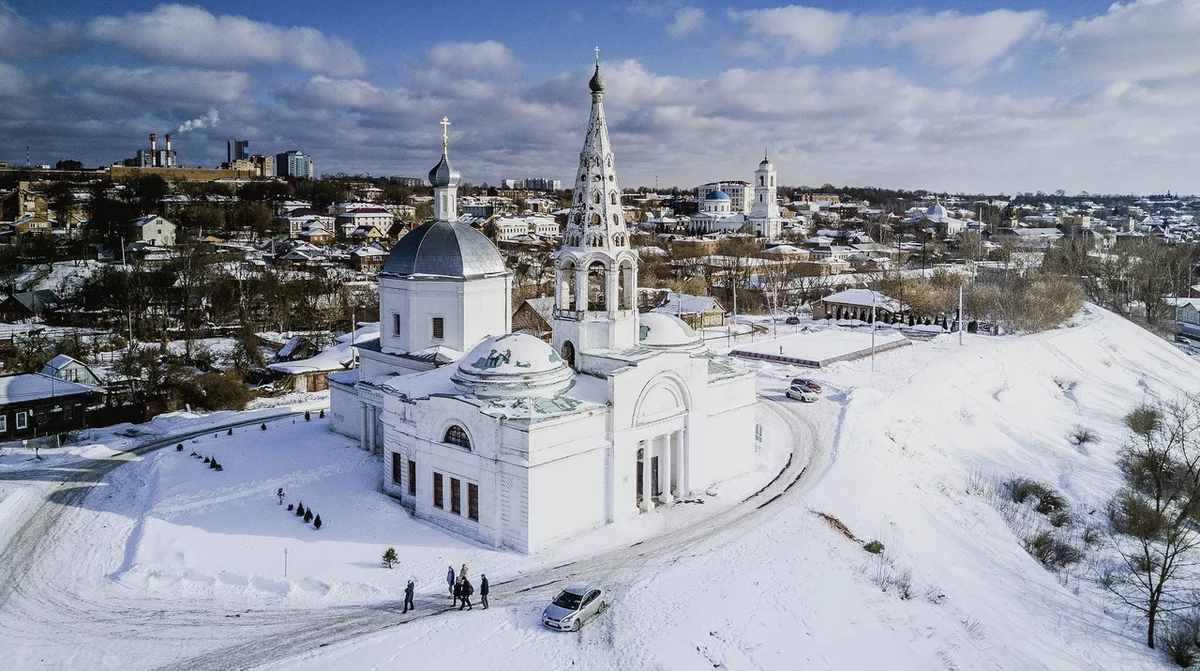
(572, 607)
(802, 393)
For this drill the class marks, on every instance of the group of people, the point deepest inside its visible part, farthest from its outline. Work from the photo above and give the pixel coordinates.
(461, 589)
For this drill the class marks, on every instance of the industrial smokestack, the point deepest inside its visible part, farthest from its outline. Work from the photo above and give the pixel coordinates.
(168, 161)
(228, 152)
(154, 149)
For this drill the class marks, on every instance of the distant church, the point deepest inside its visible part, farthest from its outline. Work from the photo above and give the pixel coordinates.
(740, 207)
(516, 443)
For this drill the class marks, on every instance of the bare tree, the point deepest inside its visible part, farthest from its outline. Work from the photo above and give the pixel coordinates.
(1154, 516)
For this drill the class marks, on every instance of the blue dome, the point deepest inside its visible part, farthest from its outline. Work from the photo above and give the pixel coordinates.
(717, 195)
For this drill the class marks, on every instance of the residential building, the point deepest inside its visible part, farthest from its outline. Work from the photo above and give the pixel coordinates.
(155, 230)
(34, 405)
(294, 163)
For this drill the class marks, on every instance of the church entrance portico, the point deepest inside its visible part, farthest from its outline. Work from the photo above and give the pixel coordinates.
(664, 478)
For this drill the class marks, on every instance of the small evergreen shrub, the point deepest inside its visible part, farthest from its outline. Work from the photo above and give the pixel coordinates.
(322, 413)
(291, 507)
(874, 547)
(389, 558)
(300, 509)
(264, 426)
(229, 432)
(207, 460)
(307, 416)
(317, 522)
(179, 447)
(308, 516)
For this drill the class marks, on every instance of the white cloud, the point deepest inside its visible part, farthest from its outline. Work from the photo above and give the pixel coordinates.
(176, 85)
(22, 39)
(1140, 40)
(965, 42)
(798, 29)
(487, 55)
(193, 36)
(207, 120)
(687, 20)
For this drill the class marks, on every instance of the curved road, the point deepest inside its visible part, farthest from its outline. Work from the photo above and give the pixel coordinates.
(32, 605)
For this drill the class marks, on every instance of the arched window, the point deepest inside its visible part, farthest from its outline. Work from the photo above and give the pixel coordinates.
(612, 197)
(455, 435)
(568, 353)
(596, 220)
(596, 197)
(760, 180)
(597, 286)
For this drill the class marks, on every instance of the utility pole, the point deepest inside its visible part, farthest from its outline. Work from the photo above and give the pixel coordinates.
(960, 315)
(285, 562)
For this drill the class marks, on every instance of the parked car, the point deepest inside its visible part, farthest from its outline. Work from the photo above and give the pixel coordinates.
(1182, 339)
(805, 382)
(802, 393)
(792, 321)
(572, 607)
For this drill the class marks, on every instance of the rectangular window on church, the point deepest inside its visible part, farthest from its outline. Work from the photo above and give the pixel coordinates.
(473, 501)
(455, 496)
(439, 328)
(397, 468)
(437, 490)
(412, 478)
(396, 325)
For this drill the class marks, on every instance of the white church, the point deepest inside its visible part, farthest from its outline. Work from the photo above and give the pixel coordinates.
(753, 208)
(514, 443)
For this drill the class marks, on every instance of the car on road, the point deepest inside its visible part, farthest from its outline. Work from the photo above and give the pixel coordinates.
(573, 606)
(802, 393)
(805, 382)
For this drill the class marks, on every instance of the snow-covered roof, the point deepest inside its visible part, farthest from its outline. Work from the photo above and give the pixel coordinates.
(513, 364)
(687, 304)
(336, 357)
(862, 297)
(33, 386)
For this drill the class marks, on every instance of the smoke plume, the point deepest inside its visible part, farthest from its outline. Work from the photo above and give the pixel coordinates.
(212, 118)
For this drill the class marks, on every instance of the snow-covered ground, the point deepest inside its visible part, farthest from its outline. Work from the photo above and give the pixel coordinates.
(155, 565)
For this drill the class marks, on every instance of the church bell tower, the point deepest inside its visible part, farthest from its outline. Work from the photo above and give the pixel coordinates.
(595, 270)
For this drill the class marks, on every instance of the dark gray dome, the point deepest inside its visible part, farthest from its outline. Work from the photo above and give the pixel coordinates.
(597, 82)
(443, 174)
(445, 249)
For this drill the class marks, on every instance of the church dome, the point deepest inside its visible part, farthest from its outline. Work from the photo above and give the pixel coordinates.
(936, 210)
(597, 82)
(663, 331)
(717, 195)
(443, 174)
(446, 249)
(514, 364)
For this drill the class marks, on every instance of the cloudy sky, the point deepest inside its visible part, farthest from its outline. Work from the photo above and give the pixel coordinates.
(963, 96)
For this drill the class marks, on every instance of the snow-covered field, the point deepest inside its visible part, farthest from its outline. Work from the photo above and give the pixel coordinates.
(167, 562)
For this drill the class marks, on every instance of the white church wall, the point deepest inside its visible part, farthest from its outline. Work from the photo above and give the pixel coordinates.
(470, 311)
(566, 498)
(345, 411)
(726, 450)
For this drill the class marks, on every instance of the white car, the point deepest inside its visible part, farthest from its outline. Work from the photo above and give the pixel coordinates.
(572, 607)
(802, 393)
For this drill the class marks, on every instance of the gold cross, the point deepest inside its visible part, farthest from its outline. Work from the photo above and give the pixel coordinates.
(445, 134)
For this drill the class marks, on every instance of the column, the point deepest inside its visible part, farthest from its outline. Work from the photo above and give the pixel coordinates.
(665, 463)
(581, 289)
(612, 291)
(362, 434)
(371, 429)
(647, 464)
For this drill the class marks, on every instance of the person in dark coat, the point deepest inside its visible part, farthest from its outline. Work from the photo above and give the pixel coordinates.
(458, 592)
(450, 580)
(408, 597)
(483, 590)
(467, 590)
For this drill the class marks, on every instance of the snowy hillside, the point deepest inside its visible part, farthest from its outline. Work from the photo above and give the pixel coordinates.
(904, 444)
(165, 562)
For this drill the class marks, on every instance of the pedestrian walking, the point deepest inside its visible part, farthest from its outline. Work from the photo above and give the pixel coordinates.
(467, 591)
(279, 494)
(462, 573)
(408, 597)
(483, 590)
(458, 591)
(450, 579)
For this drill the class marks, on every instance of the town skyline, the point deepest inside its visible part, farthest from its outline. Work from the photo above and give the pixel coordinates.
(974, 99)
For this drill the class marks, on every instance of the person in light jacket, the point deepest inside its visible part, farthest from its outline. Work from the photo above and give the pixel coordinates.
(450, 579)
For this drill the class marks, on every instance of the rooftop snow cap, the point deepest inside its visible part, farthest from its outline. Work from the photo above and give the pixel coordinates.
(663, 331)
(514, 364)
(445, 249)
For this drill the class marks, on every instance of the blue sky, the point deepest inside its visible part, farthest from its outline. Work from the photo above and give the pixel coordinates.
(958, 96)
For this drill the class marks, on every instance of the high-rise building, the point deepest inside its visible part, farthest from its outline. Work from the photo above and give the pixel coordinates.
(294, 163)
